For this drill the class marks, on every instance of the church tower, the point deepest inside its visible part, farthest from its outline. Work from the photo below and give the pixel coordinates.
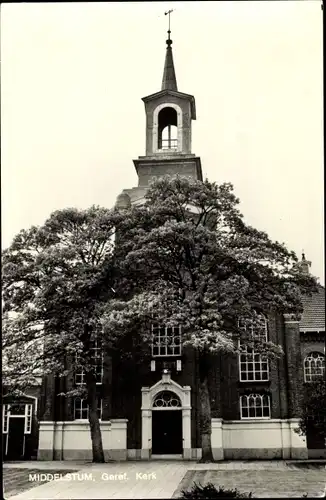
(169, 115)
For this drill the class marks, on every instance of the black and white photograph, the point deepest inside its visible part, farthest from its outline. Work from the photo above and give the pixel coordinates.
(163, 270)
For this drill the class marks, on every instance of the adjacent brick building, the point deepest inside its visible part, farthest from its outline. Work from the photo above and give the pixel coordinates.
(20, 423)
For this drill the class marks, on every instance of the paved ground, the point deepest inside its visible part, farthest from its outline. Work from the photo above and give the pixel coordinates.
(162, 479)
(44, 465)
(262, 483)
(116, 480)
(17, 480)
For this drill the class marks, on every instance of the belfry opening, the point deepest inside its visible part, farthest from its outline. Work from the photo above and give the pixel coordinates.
(168, 129)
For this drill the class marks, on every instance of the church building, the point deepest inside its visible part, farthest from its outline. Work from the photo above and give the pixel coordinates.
(151, 410)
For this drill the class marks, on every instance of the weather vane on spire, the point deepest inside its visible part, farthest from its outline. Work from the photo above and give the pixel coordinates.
(168, 13)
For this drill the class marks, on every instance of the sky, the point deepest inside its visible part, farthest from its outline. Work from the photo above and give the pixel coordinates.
(72, 119)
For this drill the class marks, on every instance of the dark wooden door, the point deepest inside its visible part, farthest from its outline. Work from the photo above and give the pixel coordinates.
(166, 432)
(16, 439)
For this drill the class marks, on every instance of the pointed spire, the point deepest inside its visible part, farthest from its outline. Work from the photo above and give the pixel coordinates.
(169, 81)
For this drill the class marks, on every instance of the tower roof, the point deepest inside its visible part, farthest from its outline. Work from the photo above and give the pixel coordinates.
(169, 81)
(313, 316)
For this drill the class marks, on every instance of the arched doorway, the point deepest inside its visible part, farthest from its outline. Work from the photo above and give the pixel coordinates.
(168, 404)
(167, 424)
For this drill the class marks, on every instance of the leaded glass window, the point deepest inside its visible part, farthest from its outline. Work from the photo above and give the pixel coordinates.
(81, 409)
(166, 340)
(166, 399)
(314, 366)
(97, 362)
(253, 366)
(255, 406)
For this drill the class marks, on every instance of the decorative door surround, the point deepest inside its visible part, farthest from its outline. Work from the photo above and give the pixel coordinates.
(148, 397)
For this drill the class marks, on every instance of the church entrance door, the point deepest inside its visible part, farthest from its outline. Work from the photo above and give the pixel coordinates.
(167, 432)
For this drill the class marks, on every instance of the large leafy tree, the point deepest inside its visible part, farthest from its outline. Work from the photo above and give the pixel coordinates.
(313, 417)
(196, 263)
(56, 279)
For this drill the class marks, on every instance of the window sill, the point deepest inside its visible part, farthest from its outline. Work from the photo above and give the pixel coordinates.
(246, 419)
(84, 383)
(254, 381)
(84, 420)
(157, 356)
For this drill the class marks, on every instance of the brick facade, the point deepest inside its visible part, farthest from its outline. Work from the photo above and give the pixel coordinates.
(123, 380)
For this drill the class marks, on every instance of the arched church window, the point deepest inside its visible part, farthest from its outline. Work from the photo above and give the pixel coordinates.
(314, 366)
(168, 129)
(166, 399)
(255, 406)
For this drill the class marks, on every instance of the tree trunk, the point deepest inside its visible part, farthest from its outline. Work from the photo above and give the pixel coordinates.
(96, 436)
(205, 411)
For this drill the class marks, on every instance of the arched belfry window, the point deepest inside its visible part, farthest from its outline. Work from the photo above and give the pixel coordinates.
(168, 129)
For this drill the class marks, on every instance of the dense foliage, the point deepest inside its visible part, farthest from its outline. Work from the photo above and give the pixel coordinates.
(186, 257)
(313, 418)
(195, 262)
(56, 280)
(209, 491)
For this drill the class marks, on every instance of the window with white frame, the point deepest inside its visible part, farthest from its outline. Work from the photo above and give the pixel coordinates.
(253, 366)
(17, 410)
(166, 340)
(28, 419)
(81, 409)
(314, 366)
(255, 406)
(97, 362)
(5, 419)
